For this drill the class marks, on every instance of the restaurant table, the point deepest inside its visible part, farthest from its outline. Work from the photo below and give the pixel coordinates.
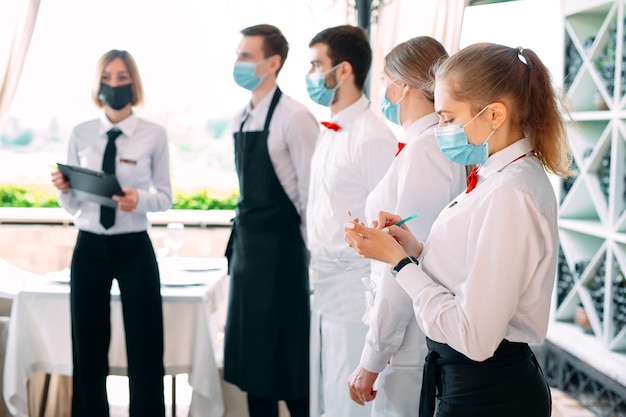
(39, 336)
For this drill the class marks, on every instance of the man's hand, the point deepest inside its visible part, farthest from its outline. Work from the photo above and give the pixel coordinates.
(361, 384)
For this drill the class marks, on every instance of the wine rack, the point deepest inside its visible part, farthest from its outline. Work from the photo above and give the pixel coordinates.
(585, 352)
(592, 226)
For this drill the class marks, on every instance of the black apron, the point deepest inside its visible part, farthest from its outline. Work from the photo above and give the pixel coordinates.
(510, 383)
(266, 347)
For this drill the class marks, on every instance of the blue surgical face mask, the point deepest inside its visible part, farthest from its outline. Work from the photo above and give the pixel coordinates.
(316, 87)
(454, 144)
(245, 76)
(390, 110)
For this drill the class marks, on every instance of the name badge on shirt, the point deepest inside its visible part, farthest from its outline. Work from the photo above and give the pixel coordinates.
(128, 161)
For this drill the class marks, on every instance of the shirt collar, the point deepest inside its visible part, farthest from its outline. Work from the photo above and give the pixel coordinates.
(127, 126)
(347, 115)
(262, 106)
(502, 158)
(421, 125)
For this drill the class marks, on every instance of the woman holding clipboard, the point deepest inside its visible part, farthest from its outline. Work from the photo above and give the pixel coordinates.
(114, 243)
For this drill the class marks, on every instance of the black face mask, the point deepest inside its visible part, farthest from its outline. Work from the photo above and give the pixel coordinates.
(115, 97)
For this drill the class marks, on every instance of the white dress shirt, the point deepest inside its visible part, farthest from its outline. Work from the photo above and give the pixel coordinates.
(488, 267)
(421, 179)
(346, 167)
(141, 162)
(293, 132)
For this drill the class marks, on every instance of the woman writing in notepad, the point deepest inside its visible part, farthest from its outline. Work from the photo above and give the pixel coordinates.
(114, 243)
(481, 283)
(421, 180)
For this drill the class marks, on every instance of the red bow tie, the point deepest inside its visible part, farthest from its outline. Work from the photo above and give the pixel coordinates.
(472, 178)
(401, 146)
(331, 126)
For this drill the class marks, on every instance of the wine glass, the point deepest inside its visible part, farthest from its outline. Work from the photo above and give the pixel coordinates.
(160, 246)
(174, 239)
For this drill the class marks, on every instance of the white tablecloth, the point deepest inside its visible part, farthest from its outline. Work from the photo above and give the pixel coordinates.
(40, 336)
(13, 279)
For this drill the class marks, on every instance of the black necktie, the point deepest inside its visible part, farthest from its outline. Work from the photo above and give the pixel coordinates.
(107, 214)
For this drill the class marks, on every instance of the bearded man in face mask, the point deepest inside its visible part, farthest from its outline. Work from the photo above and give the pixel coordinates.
(354, 151)
(266, 350)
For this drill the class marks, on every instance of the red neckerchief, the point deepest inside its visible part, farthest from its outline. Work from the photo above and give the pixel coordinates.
(472, 178)
(401, 146)
(331, 126)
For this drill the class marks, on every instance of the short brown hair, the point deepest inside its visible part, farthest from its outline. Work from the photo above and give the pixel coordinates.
(274, 42)
(350, 44)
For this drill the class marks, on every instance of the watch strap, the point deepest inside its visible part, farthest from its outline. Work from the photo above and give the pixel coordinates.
(403, 262)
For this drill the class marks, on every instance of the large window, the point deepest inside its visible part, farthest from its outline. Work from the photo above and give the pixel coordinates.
(185, 50)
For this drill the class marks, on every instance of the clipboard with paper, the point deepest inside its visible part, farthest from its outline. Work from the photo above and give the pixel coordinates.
(90, 185)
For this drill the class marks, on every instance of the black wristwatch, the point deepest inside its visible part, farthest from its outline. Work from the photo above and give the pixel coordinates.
(404, 262)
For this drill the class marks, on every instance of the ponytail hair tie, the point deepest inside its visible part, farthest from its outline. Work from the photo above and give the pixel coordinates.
(520, 55)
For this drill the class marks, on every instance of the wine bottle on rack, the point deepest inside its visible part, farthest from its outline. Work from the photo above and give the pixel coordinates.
(619, 299)
(596, 290)
(565, 279)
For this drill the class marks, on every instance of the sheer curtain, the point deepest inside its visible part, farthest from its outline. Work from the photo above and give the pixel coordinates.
(26, 16)
(400, 20)
(448, 23)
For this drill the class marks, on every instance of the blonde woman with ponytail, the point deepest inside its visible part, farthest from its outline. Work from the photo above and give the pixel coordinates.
(420, 180)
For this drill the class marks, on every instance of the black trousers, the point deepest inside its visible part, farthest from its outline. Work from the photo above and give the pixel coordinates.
(510, 383)
(129, 258)
(262, 407)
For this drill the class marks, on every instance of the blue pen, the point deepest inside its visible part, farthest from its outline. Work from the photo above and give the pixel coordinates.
(406, 219)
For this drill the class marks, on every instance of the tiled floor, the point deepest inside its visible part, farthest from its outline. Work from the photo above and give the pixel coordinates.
(563, 405)
(117, 389)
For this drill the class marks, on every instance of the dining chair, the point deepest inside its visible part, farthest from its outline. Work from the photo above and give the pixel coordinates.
(5, 307)
(5, 313)
(4, 331)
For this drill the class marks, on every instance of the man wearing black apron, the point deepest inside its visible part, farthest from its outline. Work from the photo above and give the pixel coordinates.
(266, 352)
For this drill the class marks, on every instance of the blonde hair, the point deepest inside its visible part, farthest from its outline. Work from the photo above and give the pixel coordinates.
(485, 72)
(412, 61)
(133, 71)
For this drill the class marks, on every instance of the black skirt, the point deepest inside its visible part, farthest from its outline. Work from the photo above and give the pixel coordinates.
(510, 383)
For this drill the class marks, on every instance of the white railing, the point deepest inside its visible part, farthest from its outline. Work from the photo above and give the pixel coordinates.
(197, 218)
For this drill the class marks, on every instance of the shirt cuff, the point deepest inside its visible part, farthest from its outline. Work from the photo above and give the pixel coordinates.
(413, 280)
(67, 201)
(142, 202)
(373, 360)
